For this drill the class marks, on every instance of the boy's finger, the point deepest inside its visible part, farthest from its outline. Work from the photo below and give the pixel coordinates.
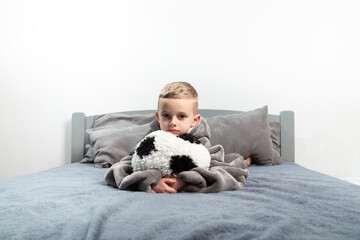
(169, 180)
(171, 190)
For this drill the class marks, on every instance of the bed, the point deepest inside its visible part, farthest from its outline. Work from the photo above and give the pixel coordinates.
(282, 201)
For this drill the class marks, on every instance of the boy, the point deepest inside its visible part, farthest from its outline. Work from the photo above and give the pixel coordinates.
(177, 114)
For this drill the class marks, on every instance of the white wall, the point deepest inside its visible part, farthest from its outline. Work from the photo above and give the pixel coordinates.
(58, 57)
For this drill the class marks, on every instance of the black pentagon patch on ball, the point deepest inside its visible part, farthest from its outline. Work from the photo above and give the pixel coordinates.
(189, 137)
(181, 163)
(146, 147)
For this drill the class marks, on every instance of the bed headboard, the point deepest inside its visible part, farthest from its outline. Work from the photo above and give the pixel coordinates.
(80, 123)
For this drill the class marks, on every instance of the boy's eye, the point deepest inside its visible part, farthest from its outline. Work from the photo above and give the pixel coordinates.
(182, 116)
(165, 115)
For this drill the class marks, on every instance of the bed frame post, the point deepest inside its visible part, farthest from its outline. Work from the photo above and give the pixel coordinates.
(287, 135)
(77, 137)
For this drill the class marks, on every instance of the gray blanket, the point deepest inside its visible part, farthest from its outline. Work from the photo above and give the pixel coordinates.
(279, 202)
(227, 172)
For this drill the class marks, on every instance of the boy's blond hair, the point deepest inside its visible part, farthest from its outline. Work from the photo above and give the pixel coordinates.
(180, 90)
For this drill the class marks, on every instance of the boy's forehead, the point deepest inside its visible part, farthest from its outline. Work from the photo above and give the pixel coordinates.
(178, 104)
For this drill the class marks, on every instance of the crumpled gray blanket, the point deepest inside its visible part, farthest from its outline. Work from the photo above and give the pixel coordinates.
(227, 172)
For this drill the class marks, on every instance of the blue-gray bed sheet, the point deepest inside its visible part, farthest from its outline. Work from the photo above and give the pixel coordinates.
(279, 202)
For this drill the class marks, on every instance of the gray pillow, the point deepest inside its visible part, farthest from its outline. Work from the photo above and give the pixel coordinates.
(275, 138)
(114, 136)
(246, 133)
(121, 120)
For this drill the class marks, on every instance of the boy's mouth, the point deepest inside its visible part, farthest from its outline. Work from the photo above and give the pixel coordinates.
(173, 131)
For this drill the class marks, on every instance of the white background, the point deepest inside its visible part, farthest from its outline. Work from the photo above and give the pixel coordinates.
(59, 57)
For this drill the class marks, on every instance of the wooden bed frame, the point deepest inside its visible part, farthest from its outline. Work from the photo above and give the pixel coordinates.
(81, 123)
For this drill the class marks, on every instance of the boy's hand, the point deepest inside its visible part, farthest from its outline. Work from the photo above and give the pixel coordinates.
(164, 186)
(168, 185)
(179, 184)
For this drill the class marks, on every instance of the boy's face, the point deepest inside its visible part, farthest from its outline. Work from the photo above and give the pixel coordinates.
(176, 115)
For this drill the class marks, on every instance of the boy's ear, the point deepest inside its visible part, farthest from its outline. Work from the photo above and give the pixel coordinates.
(196, 120)
(157, 115)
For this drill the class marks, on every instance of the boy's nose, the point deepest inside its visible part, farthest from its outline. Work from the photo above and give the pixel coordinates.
(173, 122)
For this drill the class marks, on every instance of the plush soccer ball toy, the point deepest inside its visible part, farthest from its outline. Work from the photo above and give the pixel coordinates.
(169, 154)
